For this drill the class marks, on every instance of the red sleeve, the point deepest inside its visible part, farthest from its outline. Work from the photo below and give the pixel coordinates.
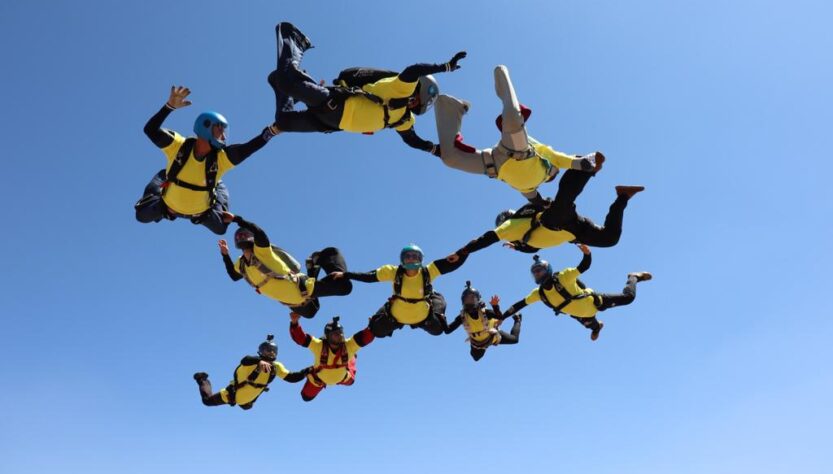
(363, 337)
(299, 336)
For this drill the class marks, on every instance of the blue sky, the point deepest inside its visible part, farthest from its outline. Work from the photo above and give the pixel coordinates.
(721, 110)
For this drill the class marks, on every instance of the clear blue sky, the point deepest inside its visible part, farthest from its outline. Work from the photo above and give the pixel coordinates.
(721, 109)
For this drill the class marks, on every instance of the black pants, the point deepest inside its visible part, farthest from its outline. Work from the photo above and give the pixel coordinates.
(329, 260)
(562, 215)
(382, 324)
(511, 337)
(291, 84)
(610, 300)
(215, 399)
(151, 208)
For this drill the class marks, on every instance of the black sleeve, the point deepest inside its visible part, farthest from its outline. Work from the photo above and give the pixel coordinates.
(480, 243)
(154, 131)
(413, 140)
(412, 73)
(295, 377)
(250, 360)
(369, 277)
(232, 272)
(238, 153)
(450, 328)
(496, 314)
(585, 263)
(538, 200)
(444, 266)
(261, 240)
(514, 309)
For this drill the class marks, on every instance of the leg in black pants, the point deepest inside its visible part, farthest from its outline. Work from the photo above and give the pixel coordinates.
(208, 399)
(212, 219)
(625, 298)
(562, 210)
(331, 260)
(151, 208)
(434, 324)
(382, 324)
(514, 335)
(589, 233)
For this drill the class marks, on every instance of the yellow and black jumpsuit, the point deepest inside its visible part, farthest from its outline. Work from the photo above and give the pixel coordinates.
(272, 276)
(248, 383)
(332, 366)
(188, 195)
(564, 293)
(482, 326)
(414, 302)
(333, 108)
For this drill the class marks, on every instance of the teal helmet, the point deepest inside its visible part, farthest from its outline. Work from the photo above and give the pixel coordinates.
(537, 267)
(413, 250)
(503, 216)
(204, 126)
(428, 92)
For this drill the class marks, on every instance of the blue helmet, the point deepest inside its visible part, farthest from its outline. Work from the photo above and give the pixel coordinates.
(537, 266)
(204, 125)
(410, 249)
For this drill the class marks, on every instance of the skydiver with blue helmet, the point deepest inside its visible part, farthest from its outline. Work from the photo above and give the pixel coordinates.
(361, 100)
(414, 302)
(190, 185)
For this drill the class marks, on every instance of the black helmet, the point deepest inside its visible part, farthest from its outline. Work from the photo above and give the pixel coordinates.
(268, 350)
(243, 236)
(333, 326)
(539, 265)
(469, 291)
(501, 218)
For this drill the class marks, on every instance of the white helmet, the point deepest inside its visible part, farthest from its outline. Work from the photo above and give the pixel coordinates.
(429, 89)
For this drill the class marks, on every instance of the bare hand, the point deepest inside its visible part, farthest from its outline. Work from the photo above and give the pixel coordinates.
(265, 367)
(453, 258)
(337, 275)
(223, 246)
(584, 249)
(509, 245)
(178, 97)
(227, 217)
(294, 317)
(495, 300)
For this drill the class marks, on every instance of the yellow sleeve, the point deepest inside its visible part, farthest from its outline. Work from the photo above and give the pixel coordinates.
(386, 273)
(533, 297)
(568, 275)
(223, 164)
(406, 125)
(433, 271)
(352, 346)
(315, 347)
(514, 229)
(170, 150)
(237, 267)
(391, 87)
(280, 370)
(557, 158)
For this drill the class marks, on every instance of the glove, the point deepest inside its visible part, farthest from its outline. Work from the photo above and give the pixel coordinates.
(452, 65)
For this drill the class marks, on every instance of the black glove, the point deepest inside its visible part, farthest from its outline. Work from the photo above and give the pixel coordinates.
(452, 65)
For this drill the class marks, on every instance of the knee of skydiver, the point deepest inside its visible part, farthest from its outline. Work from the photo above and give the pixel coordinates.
(205, 401)
(477, 355)
(307, 398)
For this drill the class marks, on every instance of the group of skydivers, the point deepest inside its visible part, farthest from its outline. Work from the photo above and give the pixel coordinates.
(366, 100)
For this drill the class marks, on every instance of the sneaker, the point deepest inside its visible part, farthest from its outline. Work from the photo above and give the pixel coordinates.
(595, 334)
(641, 276)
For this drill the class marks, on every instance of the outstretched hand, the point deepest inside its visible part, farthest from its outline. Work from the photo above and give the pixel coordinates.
(265, 367)
(227, 217)
(294, 317)
(223, 246)
(495, 300)
(509, 245)
(584, 249)
(178, 97)
(452, 65)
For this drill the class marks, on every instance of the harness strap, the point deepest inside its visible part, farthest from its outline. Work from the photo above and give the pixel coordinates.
(489, 164)
(565, 295)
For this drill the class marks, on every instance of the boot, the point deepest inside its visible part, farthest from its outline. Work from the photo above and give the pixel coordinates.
(628, 191)
(641, 276)
(595, 334)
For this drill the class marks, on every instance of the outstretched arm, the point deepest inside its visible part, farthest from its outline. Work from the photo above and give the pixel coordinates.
(479, 243)
(367, 277)
(261, 239)
(297, 332)
(153, 129)
(413, 72)
(584, 265)
(232, 272)
(363, 337)
(413, 140)
(295, 377)
(239, 152)
(444, 266)
(450, 328)
(513, 309)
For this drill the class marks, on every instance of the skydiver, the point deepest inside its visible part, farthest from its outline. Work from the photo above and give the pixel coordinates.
(483, 325)
(251, 378)
(518, 159)
(334, 359)
(367, 101)
(414, 301)
(274, 273)
(564, 293)
(190, 184)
